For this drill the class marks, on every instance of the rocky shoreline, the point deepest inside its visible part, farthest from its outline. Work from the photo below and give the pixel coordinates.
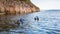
(10, 11)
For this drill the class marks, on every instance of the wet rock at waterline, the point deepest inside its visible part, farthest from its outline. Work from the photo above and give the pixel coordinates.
(9, 21)
(10, 11)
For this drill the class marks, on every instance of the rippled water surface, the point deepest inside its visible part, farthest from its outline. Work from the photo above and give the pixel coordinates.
(49, 23)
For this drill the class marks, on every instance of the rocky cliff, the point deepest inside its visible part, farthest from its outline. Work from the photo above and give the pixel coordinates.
(17, 7)
(9, 9)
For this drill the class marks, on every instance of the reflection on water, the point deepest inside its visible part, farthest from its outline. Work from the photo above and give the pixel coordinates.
(49, 23)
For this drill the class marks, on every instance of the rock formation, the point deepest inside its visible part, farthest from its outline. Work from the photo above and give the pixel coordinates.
(9, 9)
(17, 7)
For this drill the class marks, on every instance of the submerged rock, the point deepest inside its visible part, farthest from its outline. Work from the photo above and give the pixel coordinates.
(10, 11)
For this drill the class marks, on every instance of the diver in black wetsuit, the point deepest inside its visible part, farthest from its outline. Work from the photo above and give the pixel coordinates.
(36, 18)
(20, 22)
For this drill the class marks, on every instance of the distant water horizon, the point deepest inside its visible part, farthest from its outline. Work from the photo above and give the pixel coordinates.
(51, 10)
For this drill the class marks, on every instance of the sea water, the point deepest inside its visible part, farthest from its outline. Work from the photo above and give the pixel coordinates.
(48, 23)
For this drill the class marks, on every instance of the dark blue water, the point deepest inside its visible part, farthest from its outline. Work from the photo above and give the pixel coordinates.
(48, 23)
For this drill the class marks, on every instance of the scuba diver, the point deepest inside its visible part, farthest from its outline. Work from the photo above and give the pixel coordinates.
(36, 18)
(20, 22)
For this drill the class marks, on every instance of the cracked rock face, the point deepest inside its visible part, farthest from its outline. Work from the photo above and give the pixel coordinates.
(10, 11)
